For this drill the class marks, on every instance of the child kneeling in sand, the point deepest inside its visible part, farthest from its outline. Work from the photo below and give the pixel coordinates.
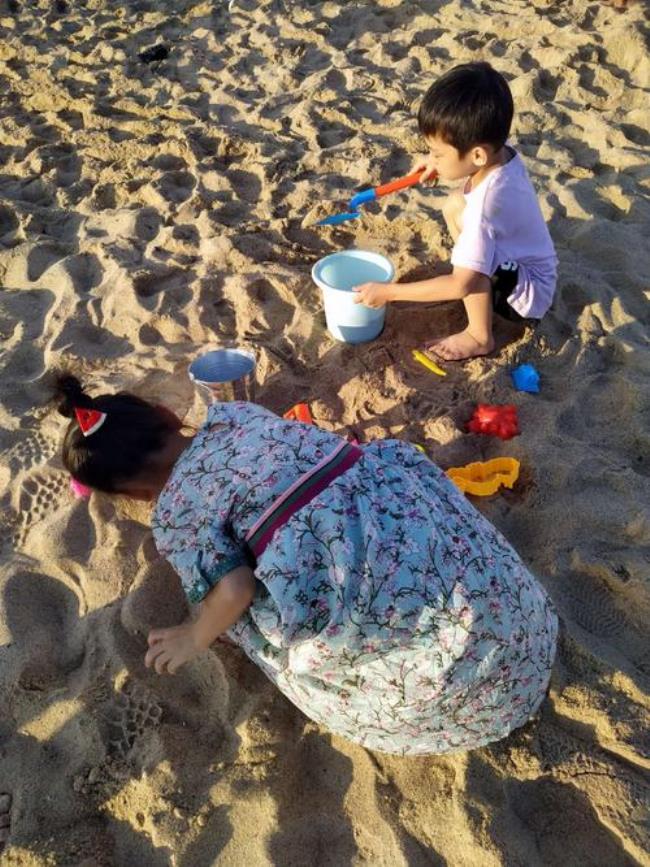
(503, 257)
(359, 579)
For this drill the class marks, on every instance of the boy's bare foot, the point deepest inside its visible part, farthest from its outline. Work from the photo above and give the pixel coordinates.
(460, 346)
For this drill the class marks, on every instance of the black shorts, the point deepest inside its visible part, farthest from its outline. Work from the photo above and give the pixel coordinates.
(503, 281)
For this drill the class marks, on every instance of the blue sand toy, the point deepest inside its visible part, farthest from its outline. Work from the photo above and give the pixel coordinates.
(366, 196)
(335, 219)
(525, 378)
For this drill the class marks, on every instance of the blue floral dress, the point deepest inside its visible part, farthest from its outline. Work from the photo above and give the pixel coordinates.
(387, 609)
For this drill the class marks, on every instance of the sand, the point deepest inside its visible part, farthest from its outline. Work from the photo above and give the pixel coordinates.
(150, 211)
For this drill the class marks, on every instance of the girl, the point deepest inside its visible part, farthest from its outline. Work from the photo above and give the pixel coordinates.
(360, 580)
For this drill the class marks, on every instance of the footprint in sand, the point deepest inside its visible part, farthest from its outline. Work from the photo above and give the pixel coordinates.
(231, 214)
(40, 495)
(147, 284)
(63, 161)
(585, 789)
(177, 187)
(147, 224)
(73, 119)
(554, 812)
(43, 493)
(169, 163)
(245, 185)
(134, 712)
(43, 257)
(32, 450)
(642, 662)
(9, 222)
(10, 528)
(233, 149)
(85, 270)
(593, 607)
(5, 819)
(272, 305)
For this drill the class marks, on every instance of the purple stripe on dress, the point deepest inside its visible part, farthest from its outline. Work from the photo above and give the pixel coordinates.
(306, 496)
(305, 476)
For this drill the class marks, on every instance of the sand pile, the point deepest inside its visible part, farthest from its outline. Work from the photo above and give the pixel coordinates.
(150, 210)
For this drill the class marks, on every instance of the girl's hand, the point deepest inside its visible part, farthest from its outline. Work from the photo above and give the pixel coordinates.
(171, 648)
(220, 609)
(373, 294)
(425, 162)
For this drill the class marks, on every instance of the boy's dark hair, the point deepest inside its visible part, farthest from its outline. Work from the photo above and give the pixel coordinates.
(469, 105)
(133, 432)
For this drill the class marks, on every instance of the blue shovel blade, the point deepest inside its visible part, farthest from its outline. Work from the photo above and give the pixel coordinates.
(362, 197)
(335, 219)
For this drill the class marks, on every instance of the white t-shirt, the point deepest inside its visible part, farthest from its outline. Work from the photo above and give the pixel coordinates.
(502, 222)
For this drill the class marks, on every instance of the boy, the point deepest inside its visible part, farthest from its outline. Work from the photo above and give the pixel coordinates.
(503, 257)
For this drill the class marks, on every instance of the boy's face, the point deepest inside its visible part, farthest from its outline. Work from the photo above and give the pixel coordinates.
(448, 162)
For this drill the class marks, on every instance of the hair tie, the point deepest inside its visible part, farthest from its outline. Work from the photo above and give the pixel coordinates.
(81, 491)
(90, 420)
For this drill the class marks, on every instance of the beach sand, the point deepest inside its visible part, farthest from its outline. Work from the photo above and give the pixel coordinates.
(148, 211)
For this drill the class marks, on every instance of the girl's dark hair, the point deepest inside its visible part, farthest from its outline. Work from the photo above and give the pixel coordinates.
(469, 105)
(122, 447)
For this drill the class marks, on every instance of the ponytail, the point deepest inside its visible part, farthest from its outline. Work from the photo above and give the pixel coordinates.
(130, 434)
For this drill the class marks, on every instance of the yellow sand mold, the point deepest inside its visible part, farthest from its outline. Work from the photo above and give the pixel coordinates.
(485, 478)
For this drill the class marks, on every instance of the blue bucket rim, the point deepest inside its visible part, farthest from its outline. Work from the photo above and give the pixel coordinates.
(318, 265)
(229, 351)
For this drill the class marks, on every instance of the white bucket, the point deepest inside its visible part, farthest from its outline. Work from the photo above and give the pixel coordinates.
(336, 275)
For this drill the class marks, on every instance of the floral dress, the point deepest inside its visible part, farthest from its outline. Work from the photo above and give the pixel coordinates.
(387, 608)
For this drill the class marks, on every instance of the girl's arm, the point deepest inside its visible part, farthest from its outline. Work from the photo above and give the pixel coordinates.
(219, 610)
(224, 605)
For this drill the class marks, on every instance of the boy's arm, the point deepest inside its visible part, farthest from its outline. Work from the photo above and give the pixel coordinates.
(449, 287)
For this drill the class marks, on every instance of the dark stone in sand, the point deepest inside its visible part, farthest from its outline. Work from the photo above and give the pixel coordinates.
(154, 53)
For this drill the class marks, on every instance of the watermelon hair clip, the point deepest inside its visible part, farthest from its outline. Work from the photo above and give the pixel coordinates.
(90, 420)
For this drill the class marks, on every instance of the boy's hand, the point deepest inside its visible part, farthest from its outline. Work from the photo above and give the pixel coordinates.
(425, 162)
(373, 294)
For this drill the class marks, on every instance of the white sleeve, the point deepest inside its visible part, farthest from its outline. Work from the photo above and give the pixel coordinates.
(475, 247)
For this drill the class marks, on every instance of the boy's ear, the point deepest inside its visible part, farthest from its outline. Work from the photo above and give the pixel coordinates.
(479, 156)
